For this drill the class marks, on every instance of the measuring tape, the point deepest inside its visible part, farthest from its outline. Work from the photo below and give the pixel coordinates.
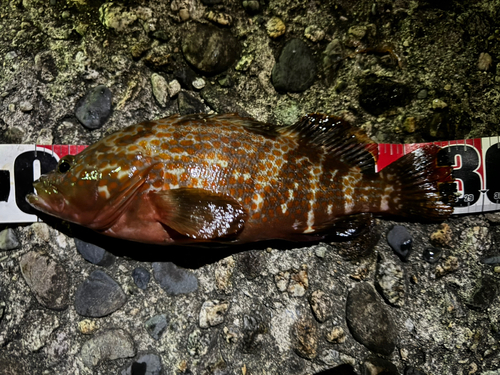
(475, 164)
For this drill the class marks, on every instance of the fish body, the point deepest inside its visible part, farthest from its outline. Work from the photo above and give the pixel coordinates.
(223, 178)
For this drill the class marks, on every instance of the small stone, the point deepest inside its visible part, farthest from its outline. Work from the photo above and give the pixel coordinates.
(210, 49)
(390, 282)
(484, 62)
(114, 16)
(275, 27)
(299, 282)
(174, 280)
(379, 366)
(25, 106)
(305, 336)
(320, 251)
(198, 83)
(174, 87)
(358, 31)
(410, 124)
(438, 104)
(88, 326)
(160, 89)
(99, 295)
(108, 345)
(156, 326)
(400, 241)
(336, 335)
(251, 263)
(244, 64)
(492, 260)
(8, 239)
(251, 6)
(212, 313)
(223, 19)
(224, 274)
(321, 305)
(47, 279)
(295, 70)
(184, 14)
(431, 254)
(281, 280)
(450, 265)
(146, 364)
(94, 254)
(422, 94)
(369, 321)
(314, 33)
(94, 109)
(485, 294)
(443, 236)
(141, 277)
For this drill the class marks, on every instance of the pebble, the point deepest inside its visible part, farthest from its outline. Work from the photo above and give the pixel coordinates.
(450, 265)
(251, 6)
(305, 343)
(174, 87)
(299, 282)
(251, 263)
(431, 254)
(275, 27)
(210, 49)
(47, 279)
(94, 254)
(422, 94)
(212, 313)
(379, 366)
(314, 33)
(485, 294)
(160, 89)
(25, 106)
(222, 19)
(199, 83)
(188, 104)
(8, 239)
(439, 104)
(369, 321)
(295, 70)
(108, 345)
(94, 109)
(156, 326)
(336, 335)
(146, 364)
(400, 241)
(114, 16)
(380, 95)
(174, 280)
(484, 62)
(141, 277)
(442, 237)
(223, 273)
(390, 282)
(87, 326)
(99, 295)
(321, 305)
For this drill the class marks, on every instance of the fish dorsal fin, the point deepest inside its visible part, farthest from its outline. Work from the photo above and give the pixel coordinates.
(338, 138)
(199, 213)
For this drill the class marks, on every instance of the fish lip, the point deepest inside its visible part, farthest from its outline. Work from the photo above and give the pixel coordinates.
(38, 200)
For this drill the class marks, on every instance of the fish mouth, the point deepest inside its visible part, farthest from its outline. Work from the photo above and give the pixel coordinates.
(46, 198)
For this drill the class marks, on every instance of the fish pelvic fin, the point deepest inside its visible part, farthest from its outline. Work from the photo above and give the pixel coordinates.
(337, 138)
(420, 185)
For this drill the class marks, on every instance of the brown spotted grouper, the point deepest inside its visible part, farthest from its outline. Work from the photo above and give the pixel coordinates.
(223, 178)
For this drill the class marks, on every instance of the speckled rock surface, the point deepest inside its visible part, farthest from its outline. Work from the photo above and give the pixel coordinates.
(405, 71)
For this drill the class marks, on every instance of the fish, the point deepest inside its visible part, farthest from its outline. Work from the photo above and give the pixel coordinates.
(204, 178)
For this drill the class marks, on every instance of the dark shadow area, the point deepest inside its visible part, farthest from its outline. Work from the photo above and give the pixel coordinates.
(339, 370)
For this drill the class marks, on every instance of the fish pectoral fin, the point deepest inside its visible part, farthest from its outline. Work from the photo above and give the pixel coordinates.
(199, 213)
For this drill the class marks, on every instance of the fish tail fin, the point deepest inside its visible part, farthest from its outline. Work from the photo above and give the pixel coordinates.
(422, 185)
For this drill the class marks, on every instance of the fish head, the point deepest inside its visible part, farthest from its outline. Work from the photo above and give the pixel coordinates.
(90, 189)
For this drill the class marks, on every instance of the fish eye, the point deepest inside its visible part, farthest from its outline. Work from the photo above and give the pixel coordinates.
(64, 166)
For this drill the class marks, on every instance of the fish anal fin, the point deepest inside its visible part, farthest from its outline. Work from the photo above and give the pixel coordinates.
(338, 139)
(199, 213)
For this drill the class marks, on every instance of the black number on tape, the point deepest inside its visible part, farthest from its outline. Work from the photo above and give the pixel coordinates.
(23, 175)
(467, 173)
(4, 185)
(492, 163)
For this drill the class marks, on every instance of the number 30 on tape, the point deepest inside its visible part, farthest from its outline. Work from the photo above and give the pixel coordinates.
(476, 164)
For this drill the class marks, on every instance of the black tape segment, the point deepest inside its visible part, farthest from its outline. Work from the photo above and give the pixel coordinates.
(4, 185)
